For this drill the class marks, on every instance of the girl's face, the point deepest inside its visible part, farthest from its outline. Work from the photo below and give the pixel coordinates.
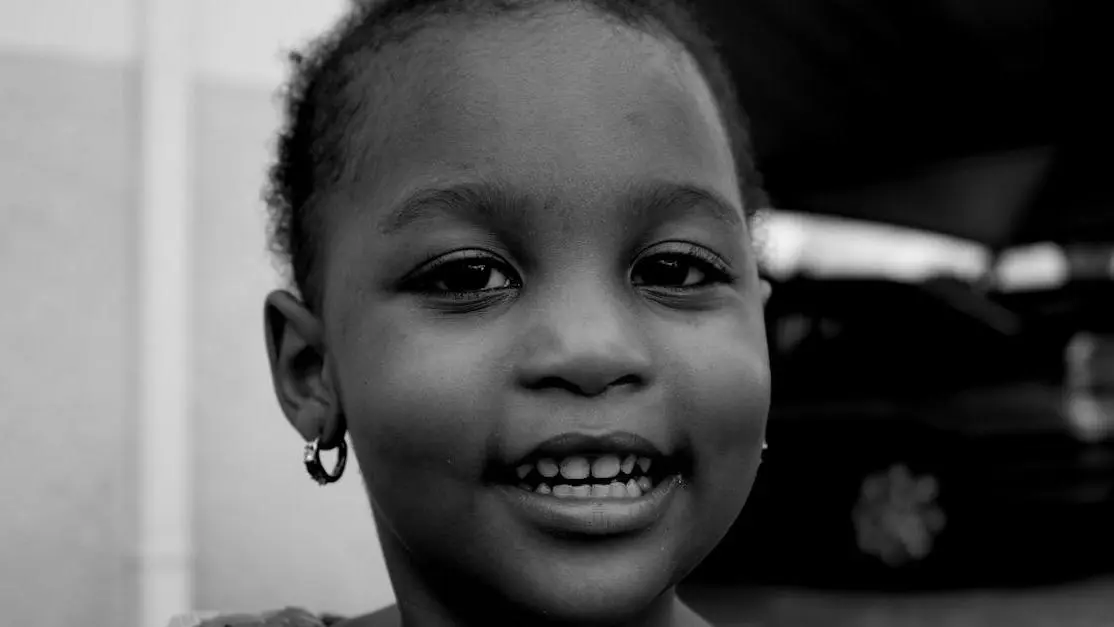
(545, 264)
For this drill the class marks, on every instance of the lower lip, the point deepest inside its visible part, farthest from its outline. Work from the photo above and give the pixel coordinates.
(593, 517)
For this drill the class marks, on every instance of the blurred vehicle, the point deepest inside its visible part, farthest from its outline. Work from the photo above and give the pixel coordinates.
(917, 442)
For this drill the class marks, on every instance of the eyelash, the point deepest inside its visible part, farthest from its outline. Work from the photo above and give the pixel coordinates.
(429, 274)
(714, 269)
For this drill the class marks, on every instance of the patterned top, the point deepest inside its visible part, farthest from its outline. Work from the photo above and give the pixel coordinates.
(288, 617)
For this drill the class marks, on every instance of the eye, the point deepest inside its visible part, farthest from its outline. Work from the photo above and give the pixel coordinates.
(465, 274)
(690, 269)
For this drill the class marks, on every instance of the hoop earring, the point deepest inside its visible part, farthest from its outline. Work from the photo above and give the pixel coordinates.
(312, 459)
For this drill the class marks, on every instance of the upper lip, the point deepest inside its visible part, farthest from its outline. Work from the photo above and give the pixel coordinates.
(616, 442)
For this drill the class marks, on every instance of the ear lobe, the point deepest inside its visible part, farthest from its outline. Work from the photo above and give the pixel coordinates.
(765, 289)
(297, 355)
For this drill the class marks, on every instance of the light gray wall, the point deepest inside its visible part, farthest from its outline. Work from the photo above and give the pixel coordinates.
(67, 233)
(265, 536)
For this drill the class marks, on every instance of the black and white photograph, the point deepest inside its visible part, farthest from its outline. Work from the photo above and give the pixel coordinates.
(240, 385)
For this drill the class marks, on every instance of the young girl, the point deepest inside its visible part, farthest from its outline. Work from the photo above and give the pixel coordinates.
(524, 289)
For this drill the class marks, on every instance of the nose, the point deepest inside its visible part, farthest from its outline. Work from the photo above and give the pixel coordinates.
(587, 341)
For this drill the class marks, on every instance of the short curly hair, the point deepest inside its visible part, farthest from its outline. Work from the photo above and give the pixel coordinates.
(319, 113)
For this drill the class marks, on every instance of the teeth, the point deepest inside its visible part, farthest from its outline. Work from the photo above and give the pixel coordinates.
(563, 490)
(575, 468)
(606, 467)
(615, 490)
(633, 490)
(547, 467)
(628, 464)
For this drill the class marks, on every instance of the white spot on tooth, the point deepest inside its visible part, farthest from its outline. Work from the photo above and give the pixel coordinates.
(633, 489)
(605, 467)
(581, 491)
(547, 467)
(644, 464)
(575, 468)
(618, 490)
(628, 464)
(562, 490)
(599, 491)
(523, 470)
(644, 483)
(543, 489)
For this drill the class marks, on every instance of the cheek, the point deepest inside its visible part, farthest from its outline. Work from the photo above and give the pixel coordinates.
(726, 375)
(725, 391)
(722, 392)
(734, 399)
(415, 401)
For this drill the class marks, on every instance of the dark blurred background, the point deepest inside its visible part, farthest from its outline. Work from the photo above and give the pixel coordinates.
(942, 324)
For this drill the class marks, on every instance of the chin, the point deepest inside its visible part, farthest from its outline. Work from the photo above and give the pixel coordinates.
(615, 602)
(559, 579)
(597, 585)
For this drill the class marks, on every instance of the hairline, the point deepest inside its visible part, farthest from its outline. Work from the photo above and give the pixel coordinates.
(343, 54)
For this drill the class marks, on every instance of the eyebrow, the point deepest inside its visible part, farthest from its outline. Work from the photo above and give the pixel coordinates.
(662, 201)
(489, 202)
(492, 203)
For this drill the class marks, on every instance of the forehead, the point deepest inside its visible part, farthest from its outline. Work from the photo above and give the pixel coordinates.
(567, 102)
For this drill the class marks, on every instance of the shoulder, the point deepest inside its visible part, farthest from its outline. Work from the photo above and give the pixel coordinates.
(386, 617)
(686, 616)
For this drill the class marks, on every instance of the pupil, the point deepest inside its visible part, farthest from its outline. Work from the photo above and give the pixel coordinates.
(667, 272)
(467, 277)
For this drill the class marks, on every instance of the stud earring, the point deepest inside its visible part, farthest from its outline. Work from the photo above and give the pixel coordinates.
(312, 460)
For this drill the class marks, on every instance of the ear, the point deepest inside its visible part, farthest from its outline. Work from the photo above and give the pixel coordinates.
(299, 369)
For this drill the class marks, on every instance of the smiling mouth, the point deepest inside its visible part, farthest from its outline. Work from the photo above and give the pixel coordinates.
(576, 466)
(579, 485)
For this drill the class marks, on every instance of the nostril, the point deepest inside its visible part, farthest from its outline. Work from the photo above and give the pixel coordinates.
(630, 379)
(562, 383)
(552, 382)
